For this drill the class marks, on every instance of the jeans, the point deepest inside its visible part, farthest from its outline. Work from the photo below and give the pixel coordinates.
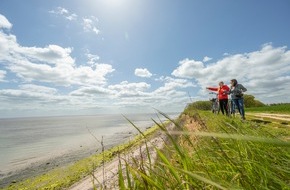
(240, 105)
(233, 107)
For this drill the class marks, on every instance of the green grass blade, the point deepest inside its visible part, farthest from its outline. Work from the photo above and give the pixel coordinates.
(165, 160)
(203, 179)
(121, 177)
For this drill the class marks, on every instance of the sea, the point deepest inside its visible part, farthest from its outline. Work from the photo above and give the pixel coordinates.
(33, 145)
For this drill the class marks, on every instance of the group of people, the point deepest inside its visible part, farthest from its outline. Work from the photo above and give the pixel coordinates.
(236, 91)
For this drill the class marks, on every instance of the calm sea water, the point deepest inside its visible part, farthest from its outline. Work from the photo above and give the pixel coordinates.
(25, 142)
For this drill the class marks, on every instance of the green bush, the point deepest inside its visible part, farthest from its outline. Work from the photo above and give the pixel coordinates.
(249, 101)
(200, 105)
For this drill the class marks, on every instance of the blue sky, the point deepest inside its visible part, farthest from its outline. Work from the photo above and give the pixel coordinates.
(130, 56)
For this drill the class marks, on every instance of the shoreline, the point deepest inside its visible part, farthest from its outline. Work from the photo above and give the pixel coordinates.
(36, 140)
(43, 165)
(66, 162)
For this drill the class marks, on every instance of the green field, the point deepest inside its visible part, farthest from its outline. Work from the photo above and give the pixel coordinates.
(281, 108)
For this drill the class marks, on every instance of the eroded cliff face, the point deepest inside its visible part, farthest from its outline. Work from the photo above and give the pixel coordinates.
(193, 122)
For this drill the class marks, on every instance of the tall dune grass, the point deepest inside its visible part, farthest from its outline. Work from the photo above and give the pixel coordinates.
(209, 151)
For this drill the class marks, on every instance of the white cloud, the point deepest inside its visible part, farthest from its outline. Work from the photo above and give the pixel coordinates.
(142, 73)
(51, 64)
(92, 90)
(61, 74)
(137, 96)
(72, 16)
(189, 69)
(87, 76)
(38, 89)
(92, 59)
(4, 23)
(89, 25)
(2, 75)
(206, 59)
(31, 95)
(59, 10)
(7, 44)
(172, 92)
(52, 54)
(65, 13)
(264, 72)
(54, 66)
(125, 89)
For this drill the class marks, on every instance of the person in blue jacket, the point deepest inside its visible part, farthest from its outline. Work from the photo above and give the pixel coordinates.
(237, 91)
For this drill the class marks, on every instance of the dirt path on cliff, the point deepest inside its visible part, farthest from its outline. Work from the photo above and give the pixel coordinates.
(106, 177)
(282, 117)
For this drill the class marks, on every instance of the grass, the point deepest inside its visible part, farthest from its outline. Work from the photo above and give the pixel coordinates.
(281, 108)
(216, 152)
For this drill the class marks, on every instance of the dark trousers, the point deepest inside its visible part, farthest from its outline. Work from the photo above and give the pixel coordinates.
(224, 106)
(240, 105)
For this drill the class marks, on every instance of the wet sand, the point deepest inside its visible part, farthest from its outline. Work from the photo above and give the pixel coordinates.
(38, 166)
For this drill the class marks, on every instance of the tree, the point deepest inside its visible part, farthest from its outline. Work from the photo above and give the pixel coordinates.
(249, 101)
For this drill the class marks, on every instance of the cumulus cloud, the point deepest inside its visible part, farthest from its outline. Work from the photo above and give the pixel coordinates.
(189, 69)
(33, 95)
(140, 97)
(53, 69)
(51, 64)
(92, 59)
(126, 89)
(92, 91)
(173, 84)
(263, 72)
(52, 54)
(206, 59)
(140, 72)
(7, 44)
(2, 75)
(118, 96)
(60, 74)
(4, 23)
(38, 88)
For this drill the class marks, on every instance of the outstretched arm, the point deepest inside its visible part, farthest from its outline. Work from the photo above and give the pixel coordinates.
(212, 88)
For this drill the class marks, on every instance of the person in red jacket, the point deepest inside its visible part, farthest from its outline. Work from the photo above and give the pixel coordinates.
(222, 91)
